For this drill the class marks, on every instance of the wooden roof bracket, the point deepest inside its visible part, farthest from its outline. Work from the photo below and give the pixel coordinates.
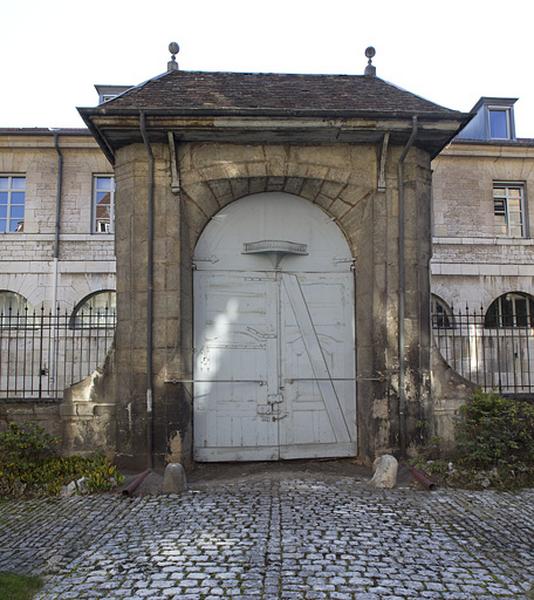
(175, 175)
(381, 183)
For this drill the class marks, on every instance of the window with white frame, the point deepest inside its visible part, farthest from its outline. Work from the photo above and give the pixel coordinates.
(103, 203)
(508, 208)
(515, 309)
(12, 200)
(499, 123)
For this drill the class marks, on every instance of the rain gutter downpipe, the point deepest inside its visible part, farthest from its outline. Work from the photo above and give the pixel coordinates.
(57, 227)
(402, 286)
(55, 252)
(150, 292)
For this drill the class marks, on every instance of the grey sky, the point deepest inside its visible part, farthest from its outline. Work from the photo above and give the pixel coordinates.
(450, 52)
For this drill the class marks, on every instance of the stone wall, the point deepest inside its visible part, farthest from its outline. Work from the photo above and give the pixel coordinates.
(463, 177)
(44, 414)
(87, 264)
(87, 261)
(449, 392)
(341, 179)
(83, 420)
(470, 264)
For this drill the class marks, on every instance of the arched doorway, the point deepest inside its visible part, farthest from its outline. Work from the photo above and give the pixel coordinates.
(274, 359)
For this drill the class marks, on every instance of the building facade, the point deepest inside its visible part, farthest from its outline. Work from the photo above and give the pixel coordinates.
(56, 218)
(242, 332)
(482, 230)
(483, 250)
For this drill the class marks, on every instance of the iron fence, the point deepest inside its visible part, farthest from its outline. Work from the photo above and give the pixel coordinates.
(495, 354)
(43, 352)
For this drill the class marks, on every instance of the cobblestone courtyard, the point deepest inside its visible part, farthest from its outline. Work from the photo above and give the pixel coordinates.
(271, 536)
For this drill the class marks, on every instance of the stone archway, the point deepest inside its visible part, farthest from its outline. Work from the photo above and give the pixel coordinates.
(274, 364)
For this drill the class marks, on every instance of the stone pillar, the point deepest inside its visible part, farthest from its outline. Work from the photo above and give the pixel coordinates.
(417, 198)
(131, 336)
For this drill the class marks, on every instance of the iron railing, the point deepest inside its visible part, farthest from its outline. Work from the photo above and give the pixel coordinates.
(43, 352)
(485, 351)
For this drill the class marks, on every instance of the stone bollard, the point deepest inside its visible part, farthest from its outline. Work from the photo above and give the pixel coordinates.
(385, 471)
(174, 480)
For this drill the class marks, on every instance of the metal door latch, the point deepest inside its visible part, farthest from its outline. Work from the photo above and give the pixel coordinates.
(275, 398)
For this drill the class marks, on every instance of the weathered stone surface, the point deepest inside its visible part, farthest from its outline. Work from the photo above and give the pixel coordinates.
(385, 471)
(341, 178)
(296, 537)
(174, 479)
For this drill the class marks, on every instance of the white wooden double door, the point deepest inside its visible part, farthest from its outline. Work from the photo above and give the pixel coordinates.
(274, 365)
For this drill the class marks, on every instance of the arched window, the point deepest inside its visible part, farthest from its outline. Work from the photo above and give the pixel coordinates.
(13, 309)
(441, 313)
(515, 309)
(96, 310)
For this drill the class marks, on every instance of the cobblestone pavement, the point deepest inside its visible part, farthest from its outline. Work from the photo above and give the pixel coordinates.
(274, 537)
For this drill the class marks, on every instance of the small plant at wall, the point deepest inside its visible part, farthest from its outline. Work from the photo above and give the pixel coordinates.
(494, 445)
(30, 465)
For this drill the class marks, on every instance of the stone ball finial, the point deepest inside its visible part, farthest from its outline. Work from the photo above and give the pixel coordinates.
(370, 69)
(370, 52)
(172, 65)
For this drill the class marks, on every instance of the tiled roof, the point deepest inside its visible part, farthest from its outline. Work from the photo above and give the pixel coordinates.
(273, 93)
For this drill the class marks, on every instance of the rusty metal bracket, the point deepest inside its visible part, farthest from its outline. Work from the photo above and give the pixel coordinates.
(381, 184)
(175, 175)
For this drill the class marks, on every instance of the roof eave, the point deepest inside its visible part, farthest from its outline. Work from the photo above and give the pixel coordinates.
(101, 122)
(273, 112)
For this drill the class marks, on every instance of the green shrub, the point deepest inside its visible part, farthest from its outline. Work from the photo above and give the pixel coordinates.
(30, 465)
(496, 432)
(27, 443)
(494, 446)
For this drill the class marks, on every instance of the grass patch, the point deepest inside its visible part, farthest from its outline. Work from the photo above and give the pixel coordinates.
(18, 587)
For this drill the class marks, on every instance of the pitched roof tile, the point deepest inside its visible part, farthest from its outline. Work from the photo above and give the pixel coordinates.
(273, 93)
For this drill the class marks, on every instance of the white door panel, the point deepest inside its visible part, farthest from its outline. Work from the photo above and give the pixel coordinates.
(235, 354)
(274, 365)
(317, 365)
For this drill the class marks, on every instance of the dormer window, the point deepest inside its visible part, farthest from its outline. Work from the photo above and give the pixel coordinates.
(106, 97)
(108, 92)
(499, 123)
(493, 120)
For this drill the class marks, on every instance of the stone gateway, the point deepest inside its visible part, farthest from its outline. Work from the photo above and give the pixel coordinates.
(273, 245)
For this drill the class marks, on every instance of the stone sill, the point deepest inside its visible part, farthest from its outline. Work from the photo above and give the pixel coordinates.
(50, 237)
(490, 269)
(36, 266)
(489, 241)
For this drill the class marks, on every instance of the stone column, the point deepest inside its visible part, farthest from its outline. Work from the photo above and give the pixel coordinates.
(131, 335)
